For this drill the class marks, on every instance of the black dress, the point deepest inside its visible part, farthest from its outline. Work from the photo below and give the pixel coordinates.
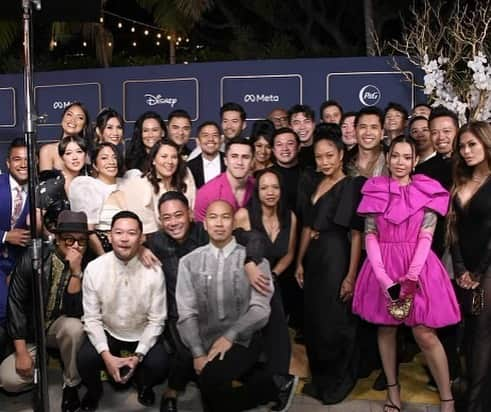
(330, 326)
(275, 333)
(52, 198)
(473, 253)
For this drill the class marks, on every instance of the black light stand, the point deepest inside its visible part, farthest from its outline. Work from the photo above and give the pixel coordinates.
(41, 397)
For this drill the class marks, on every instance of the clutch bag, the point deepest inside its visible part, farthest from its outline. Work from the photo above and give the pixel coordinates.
(472, 301)
(400, 308)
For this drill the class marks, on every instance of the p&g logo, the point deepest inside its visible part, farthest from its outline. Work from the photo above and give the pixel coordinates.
(369, 95)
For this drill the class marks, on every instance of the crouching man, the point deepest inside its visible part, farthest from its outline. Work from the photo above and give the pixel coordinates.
(62, 275)
(220, 317)
(124, 310)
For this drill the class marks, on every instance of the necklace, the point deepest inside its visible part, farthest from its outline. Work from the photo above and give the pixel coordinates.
(272, 226)
(479, 179)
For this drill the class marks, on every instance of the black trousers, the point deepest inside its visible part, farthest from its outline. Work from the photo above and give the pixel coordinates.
(181, 369)
(276, 347)
(239, 363)
(5, 343)
(152, 371)
(478, 354)
(276, 339)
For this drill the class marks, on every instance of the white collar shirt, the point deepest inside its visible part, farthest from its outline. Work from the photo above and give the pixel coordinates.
(126, 300)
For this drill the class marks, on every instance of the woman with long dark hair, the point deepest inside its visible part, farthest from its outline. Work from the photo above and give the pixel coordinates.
(99, 195)
(109, 127)
(262, 139)
(402, 281)
(268, 214)
(166, 171)
(469, 235)
(327, 264)
(54, 189)
(149, 129)
(74, 121)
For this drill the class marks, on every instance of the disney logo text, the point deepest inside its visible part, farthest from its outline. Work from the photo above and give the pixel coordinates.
(152, 100)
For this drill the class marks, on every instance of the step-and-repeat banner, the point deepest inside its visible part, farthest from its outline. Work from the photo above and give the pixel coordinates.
(201, 88)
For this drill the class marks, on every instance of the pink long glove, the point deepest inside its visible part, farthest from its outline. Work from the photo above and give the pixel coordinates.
(420, 255)
(410, 281)
(375, 258)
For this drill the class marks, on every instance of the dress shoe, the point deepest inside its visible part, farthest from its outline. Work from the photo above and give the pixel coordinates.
(70, 401)
(286, 392)
(168, 404)
(90, 401)
(146, 395)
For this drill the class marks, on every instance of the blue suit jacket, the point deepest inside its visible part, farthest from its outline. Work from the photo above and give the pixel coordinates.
(8, 253)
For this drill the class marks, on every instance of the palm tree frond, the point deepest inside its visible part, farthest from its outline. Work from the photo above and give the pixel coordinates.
(8, 32)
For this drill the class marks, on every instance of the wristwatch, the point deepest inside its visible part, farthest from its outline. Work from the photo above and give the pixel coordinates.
(78, 275)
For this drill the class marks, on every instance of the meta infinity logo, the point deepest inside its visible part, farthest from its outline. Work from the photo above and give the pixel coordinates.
(261, 98)
(58, 105)
(369, 95)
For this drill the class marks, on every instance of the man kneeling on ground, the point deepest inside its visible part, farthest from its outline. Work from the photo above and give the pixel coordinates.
(220, 317)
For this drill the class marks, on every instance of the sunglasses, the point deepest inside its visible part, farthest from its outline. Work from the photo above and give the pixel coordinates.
(70, 241)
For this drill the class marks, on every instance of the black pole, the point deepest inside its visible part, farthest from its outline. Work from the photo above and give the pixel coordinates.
(41, 398)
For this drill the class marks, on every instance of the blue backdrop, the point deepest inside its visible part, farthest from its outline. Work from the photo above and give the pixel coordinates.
(201, 88)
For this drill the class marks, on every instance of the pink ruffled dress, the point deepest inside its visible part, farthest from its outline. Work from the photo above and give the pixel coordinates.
(398, 212)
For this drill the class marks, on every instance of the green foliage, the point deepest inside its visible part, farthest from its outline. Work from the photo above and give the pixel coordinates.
(9, 31)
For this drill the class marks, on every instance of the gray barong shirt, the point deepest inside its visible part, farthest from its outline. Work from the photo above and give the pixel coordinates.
(214, 298)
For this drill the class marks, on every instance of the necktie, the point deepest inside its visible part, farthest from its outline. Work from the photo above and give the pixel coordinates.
(16, 207)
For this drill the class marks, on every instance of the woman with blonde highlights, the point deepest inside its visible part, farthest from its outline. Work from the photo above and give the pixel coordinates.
(469, 235)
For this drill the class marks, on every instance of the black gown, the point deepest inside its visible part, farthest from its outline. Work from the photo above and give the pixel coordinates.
(473, 253)
(330, 326)
(275, 333)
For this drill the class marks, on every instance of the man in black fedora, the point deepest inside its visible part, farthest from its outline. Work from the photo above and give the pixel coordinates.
(62, 276)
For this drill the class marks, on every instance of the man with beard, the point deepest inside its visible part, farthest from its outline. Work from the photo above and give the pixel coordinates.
(180, 235)
(62, 280)
(14, 234)
(235, 185)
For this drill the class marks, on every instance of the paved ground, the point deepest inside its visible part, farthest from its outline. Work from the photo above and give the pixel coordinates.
(125, 401)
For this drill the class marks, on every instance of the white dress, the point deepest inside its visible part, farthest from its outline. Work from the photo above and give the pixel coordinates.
(88, 194)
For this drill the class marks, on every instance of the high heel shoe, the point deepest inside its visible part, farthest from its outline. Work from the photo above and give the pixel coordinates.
(390, 406)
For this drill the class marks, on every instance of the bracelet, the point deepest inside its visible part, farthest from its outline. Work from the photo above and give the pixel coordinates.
(78, 275)
(138, 355)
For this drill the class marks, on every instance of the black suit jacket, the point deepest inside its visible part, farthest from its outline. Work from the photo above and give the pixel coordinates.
(196, 167)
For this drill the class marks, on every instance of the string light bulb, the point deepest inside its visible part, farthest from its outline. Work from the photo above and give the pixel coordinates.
(169, 37)
(145, 32)
(101, 19)
(110, 44)
(157, 43)
(134, 44)
(84, 44)
(120, 25)
(159, 35)
(132, 29)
